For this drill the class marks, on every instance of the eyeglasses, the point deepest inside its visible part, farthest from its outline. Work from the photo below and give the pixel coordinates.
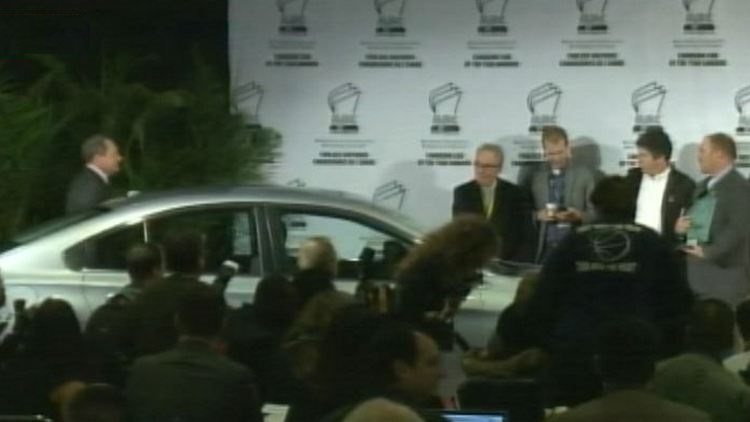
(486, 166)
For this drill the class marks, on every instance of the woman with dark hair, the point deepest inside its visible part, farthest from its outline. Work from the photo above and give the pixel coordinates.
(439, 273)
(254, 333)
(51, 357)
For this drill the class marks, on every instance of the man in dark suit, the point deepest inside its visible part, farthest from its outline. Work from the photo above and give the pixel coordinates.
(560, 191)
(661, 192)
(719, 266)
(505, 205)
(192, 382)
(91, 185)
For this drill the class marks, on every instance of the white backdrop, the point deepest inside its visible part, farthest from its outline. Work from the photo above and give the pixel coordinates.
(381, 67)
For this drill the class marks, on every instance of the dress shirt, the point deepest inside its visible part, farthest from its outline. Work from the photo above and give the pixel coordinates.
(99, 172)
(650, 199)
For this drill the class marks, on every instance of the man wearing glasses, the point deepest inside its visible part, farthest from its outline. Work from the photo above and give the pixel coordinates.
(502, 203)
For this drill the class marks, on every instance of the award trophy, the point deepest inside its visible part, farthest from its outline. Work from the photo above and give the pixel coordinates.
(647, 101)
(547, 94)
(492, 17)
(390, 17)
(444, 118)
(345, 96)
(740, 101)
(251, 93)
(698, 19)
(390, 194)
(591, 20)
(292, 17)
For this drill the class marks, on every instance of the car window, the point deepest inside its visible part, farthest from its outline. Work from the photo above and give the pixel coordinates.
(105, 251)
(352, 240)
(229, 234)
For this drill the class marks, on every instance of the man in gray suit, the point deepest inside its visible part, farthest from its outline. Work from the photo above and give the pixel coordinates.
(91, 185)
(560, 191)
(718, 267)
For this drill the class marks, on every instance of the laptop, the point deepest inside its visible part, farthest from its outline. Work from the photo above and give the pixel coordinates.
(474, 416)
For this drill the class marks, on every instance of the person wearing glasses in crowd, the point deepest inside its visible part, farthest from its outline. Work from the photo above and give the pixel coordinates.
(504, 205)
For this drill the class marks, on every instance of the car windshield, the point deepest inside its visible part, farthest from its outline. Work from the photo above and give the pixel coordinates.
(48, 227)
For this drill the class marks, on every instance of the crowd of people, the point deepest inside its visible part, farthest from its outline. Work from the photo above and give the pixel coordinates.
(639, 310)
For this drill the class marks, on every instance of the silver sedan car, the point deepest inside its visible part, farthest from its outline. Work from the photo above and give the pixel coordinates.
(81, 258)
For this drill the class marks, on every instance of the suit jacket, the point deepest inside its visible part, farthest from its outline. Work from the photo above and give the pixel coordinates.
(724, 272)
(511, 216)
(631, 405)
(678, 195)
(86, 190)
(579, 183)
(191, 383)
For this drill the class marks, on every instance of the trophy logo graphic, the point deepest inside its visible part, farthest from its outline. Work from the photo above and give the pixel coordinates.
(543, 102)
(390, 17)
(647, 101)
(591, 20)
(292, 17)
(390, 195)
(699, 18)
(250, 94)
(343, 101)
(444, 101)
(492, 17)
(741, 99)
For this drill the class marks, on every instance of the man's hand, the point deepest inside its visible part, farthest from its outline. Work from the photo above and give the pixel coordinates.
(683, 224)
(694, 250)
(571, 215)
(544, 215)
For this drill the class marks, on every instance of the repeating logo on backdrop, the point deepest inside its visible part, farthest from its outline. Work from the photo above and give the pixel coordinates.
(292, 17)
(390, 17)
(250, 97)
(390, 195)
(699, 16)
(343, 102)
(647, 101)
(741, 100)
(543, 102)
(492, 17)
(444, 101)
(592, 16)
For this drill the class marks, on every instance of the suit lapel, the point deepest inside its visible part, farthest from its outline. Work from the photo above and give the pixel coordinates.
(569, 182)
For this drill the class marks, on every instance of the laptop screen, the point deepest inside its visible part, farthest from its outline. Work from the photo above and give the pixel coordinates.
(474, 416)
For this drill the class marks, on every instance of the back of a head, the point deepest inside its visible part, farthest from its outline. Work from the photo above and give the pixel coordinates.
(392, 342)
(200, 311)
(656, 142)
(144, 261)
(724, 143)
(92, 146)
(613, 198)
(319, 311)
(626, 352)
(275, 299)
(710, 328)
(742, 315)
(380, 409)
(54, 329)
(96, 403)
(183, 251)
(317, 252)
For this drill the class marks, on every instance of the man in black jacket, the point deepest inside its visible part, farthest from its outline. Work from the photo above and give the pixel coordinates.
(91, 185)
(505, 206)
(660, 191)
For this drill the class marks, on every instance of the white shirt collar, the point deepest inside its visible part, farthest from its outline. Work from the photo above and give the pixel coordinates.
(98, 171)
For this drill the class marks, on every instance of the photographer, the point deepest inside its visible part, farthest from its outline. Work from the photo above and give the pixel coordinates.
(436, 277)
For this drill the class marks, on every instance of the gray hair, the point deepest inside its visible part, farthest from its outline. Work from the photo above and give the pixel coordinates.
(94, 145)
(492, 147)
